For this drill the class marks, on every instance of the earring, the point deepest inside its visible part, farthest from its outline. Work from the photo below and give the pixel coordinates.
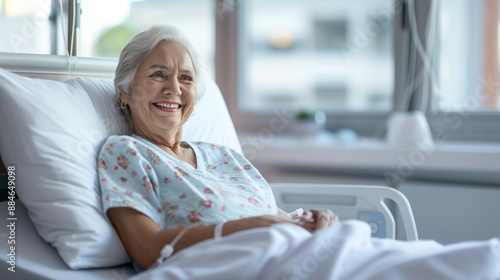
(123, 105)
(192, 114)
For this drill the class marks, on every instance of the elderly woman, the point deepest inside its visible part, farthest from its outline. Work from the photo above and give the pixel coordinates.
(157, 188)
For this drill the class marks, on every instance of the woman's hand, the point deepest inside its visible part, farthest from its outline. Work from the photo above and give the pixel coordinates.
(311, 221)
(315, 219)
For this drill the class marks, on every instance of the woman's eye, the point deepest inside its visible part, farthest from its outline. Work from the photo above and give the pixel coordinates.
(158, 74)
(186, 78)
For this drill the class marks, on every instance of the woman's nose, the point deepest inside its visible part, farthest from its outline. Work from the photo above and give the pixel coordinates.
(172, 87)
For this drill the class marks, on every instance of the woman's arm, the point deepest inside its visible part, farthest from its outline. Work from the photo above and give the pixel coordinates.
(282, 213)
(143, 239)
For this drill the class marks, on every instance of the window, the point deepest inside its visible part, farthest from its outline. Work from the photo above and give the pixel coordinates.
(466, 100)
(469, 59)
(32, 26)
(334, 56)
(102, 35)
(358, 61)
(103, 27)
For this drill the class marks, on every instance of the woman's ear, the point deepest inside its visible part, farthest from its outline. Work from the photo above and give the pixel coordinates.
(125, 98)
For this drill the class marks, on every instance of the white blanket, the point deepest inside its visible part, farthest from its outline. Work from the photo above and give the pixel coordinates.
(344, 251)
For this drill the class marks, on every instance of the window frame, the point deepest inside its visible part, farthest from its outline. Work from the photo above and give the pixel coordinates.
(456, 126)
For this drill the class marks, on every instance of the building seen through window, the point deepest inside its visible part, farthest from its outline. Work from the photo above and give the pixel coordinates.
(328, 55)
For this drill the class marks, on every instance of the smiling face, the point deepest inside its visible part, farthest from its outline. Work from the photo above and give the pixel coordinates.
(163, 92)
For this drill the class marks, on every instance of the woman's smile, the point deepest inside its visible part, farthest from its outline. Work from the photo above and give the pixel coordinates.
(167, 106)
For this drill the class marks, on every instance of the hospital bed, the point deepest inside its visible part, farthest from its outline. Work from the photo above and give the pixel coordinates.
(50, 133)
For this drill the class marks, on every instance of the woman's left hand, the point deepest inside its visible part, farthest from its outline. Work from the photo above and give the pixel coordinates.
(315, 219)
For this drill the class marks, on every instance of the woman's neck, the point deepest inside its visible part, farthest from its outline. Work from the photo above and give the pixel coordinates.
(169, 141)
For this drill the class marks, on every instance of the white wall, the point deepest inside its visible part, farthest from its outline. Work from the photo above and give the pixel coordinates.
(451, 212)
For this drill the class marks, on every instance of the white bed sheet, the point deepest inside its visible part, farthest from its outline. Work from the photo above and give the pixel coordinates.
(36, 259)
(345, 251)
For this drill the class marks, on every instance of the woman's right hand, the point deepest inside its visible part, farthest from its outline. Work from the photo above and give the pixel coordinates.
(315, 219)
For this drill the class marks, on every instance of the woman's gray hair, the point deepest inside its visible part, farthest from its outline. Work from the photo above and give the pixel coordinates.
(139, 47)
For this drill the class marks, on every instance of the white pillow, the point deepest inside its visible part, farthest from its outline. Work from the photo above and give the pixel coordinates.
(52, 131)
(211, 121)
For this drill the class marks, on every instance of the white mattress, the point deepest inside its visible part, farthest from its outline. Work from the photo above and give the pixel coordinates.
(36, 259)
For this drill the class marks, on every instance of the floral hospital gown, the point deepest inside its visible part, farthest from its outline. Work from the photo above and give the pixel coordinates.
(134, 172)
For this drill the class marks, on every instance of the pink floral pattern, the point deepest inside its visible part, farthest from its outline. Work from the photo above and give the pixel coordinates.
(194, 217)
(153, 158)
(108, 147)
(102, 164)
(123, 161)
(170, 210)
(208, 191)
(132, 152)
(207, 203)
(147, 184)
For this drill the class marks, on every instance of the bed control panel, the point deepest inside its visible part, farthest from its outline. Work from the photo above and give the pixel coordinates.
(346, 201)
(376, 221)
